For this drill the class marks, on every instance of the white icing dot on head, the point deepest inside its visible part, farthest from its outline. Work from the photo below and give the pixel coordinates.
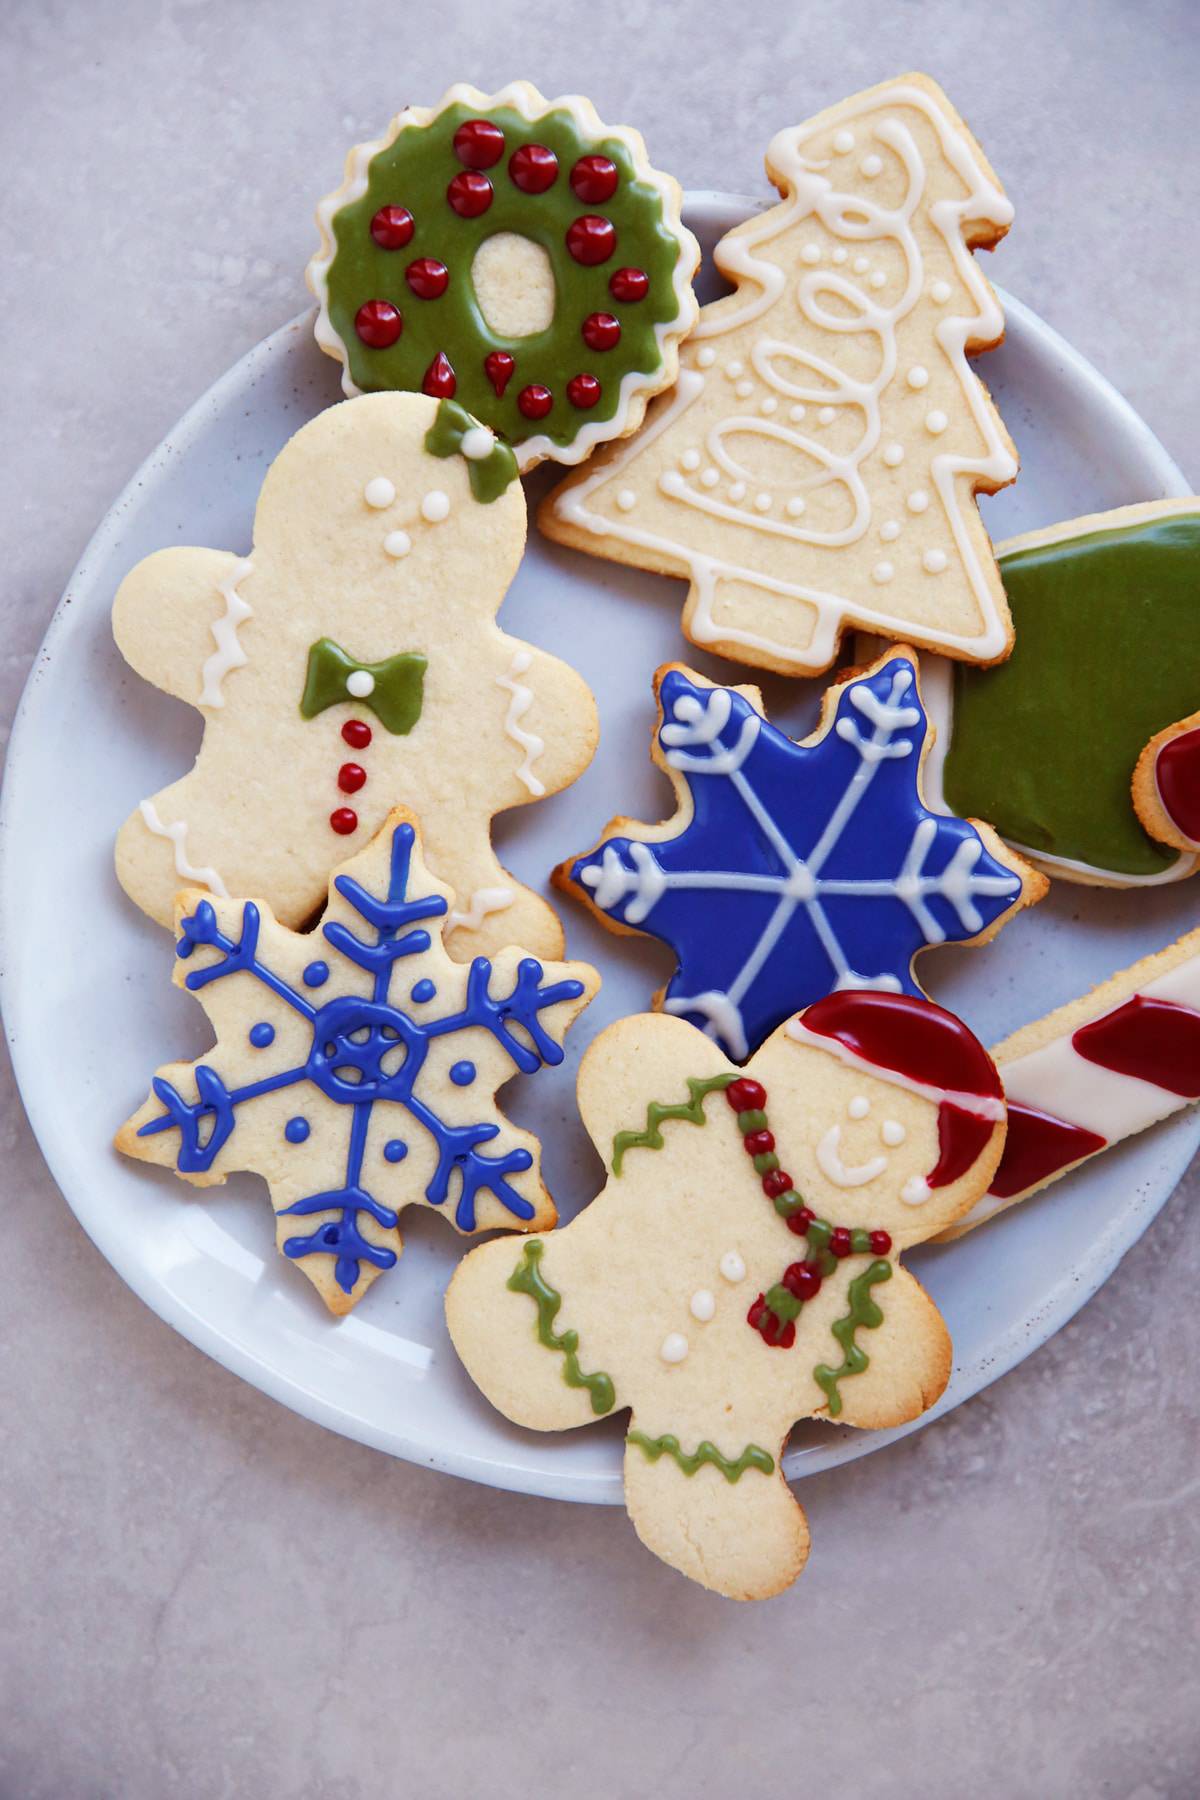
(859, 1107)
(936, 422)
(892, 1132)
(872, 166)
(917, 501)
(733, 369)
(702, 1305)
(877, 279)
(360, 684)
(744, 389)
(861, 264)
(737, 490)
(883, 571)
(732, 1267)
(435, 506)
(916, 1191)
(379, 492)
(840, 255)
(797, 412)
(918, 376)
(626, 499)
(397, 543)
(826, 415)
(843, 142)
(706, 357)
(762, 502)
(940, 292)
(769, 405)
(893, 455)
(709, 478)
(690, 459)
(810, 254)
(477, 443)
(796, 505)
(674, 1347)
(889, 531)
(933, 562)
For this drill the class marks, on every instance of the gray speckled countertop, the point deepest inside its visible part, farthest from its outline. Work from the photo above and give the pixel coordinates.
(205, 1596)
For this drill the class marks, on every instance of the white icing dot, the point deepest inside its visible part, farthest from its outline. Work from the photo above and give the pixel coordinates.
(795, 506)
(762, 502)
(732, 1267)
(360, 684)
(796, 413)
(940, 292)
(435, 506)
(379, 492)
(861, 264)
(706, 358)
(859, 1107)
(877, 279)
(840, 255)
(872, 166)
(626, 499)
(769, 405)
(917, 501)
(843, 142)
(477, 443)
(893, 455)
(734, 369)
(709, 478)
(889, 531)
(702, 1305)
(892, 1132)
(737, 490)
(690, 459)
(918, 376)
(674, 1347)
(936, 422)
(397, 543)
(916, 1191)
(933, 562)
(883, 571)
(826, 415)
(744, 389)
(810, 254)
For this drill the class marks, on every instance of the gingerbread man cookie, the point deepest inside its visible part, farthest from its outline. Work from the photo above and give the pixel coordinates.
(356, 1066)
(350, 663)
(721, 1295)
(817, 464)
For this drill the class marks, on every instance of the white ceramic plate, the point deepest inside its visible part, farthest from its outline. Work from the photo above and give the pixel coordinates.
(90, 1009)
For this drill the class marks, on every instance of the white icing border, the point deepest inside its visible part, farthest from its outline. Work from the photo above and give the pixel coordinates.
(637, 386)
(980, 1106)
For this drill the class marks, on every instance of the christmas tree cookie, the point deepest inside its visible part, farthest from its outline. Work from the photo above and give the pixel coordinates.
(789, 869)
(350, 663)
(1107, 657)
(355, 1066)
(818, 463)
(741, 1268)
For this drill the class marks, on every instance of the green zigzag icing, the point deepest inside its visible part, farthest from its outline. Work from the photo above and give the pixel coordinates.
(864, 1312)
(689, 1461)
(651, 1137)
(527, 1278)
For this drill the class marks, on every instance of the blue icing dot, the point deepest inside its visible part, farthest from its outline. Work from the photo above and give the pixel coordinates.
(396, 1150)
(296, 1130)
(423, 990)
(462, 1074)
(262, 1035)
(316, 974)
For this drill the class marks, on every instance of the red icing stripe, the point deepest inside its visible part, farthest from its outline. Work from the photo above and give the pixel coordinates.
(1177, 771)
(911, 1037)
(1038, 1145)
(1152, 1040)
(962, 1137)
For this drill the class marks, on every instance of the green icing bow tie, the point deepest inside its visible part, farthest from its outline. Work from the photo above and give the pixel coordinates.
(393, 689)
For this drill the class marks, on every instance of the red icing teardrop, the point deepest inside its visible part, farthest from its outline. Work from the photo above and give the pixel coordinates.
(533, 168)
(591, 239)
(427, 278)
(1153, 1040)
(583, 391)
(498, 367)
(534, 401)
(392, 227)
(1177, 771)
(478, 144)
(469, 194)
(378, 323)
(909, 1035)
(594, 180)
(440, 379)
(1038, 1145)
(601, 331)
(627, 285)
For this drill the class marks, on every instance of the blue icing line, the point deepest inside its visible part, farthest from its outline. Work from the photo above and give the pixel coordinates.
(802, 868)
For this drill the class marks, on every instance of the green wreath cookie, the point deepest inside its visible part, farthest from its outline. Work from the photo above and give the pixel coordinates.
(514, 254)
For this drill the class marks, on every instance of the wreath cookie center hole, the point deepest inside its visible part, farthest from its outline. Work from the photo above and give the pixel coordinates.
(514, 285)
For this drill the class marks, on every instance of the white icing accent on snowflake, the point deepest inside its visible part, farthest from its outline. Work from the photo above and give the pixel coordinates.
(701, 725)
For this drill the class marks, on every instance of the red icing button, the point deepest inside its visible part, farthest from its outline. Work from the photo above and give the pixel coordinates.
(440, 379)
(881, 1243)
(594, 180)
(759, 1143)
(469, 194)
(839, 1240)
(776, 1182)
(800, 1221)
(478, 144)
(427, 278)
(498, 367)
(356, 733)
(601, 331)
(351, 776)
(534, 401)
(583, 390)
(344, 820)
(591, 239)
(629, 284)
(745, 1095)
(533, 168)
(392, 227)
(378, 324)
(802, 1279)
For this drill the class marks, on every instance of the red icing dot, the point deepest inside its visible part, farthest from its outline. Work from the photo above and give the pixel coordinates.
(498, 367)
(378, 324)
(601, 331)
(839, 1241)
(533, 168)
(427, 278)
(594, 180)
(351, 776)
(392, 227)
(629, 284)
(478, 144)
(356, 733)
(469, 194)
(800, 1221)
(759, 1143)
(534, 401)
(583, 390)
(776, 1182)
(440, 379)
(591, 239)
(803, 1279)
(745, 1095)
(881, 1243)
(344, 820)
